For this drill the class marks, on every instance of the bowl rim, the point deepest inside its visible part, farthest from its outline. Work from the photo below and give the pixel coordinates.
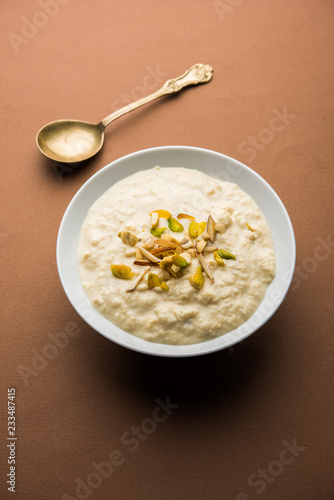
(167, 350)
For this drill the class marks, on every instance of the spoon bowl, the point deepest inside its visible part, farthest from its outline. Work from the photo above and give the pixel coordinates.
(72, 141)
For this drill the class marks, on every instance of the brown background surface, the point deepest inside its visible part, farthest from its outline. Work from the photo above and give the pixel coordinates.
(238, 408)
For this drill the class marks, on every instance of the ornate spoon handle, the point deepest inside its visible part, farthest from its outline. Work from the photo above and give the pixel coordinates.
(199, 73)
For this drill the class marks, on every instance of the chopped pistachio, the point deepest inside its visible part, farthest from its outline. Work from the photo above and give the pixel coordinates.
(193, 229)
(175, 225)
(220, 261)
(170, 270)
(179, 261)
(163, 214)
(196, 229)
(201, 227)
(153, 281)
(157, 231)
(224, 254)
(155, 219)
(197, 279)
(175, 268)
(122, 272)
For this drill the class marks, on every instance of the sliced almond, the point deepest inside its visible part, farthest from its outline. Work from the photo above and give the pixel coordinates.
(175, 268)
(186, 243)
(145, 263)
(155, 219)
(137, 280)
(149, 243)
(148, 255)
(210, 228)
(200, 246)
(210, 248)
(169, 243)
(204, 236)
(160, 250)
(205, 266)
(167, 260)
(139, 255)
(186, 256)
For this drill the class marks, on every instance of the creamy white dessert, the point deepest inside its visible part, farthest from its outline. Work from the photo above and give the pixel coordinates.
(201, 277)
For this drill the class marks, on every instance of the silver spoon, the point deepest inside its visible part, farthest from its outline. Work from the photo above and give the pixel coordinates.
(72, 141)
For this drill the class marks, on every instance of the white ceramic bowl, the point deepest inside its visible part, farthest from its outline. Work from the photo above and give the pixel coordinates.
(211, 163)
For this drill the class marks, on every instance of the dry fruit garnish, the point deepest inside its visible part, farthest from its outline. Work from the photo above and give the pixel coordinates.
(122, 272)
(186, 243)
(157, 231)
(163, 214)
(197, 279)
(153, 281)
(139, 255)
(179, 261)
(160, 250)
(205, 266)
(148, 243)
(145, 262)
(210, 229)
(224, 254)
(250, 228)
(200, 246)
(187, 256)
(137, 280)
(220, 261)
(210, 248)
(196, 228)
(175, 225)
(128, 238)
(185, 216)
(169, 241)
(155, 219)
(148, 255)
